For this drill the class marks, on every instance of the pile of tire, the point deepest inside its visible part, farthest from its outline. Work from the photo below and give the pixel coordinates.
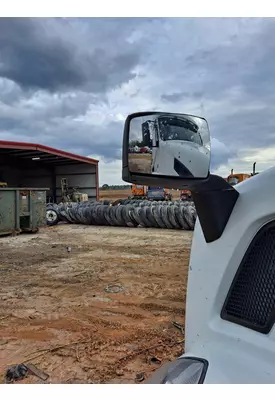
(129, 213)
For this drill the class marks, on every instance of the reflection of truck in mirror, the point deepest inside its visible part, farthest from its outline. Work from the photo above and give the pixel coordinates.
(177, 146)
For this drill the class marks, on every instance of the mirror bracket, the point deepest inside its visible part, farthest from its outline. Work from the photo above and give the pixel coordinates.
(214, 201)
(214, 198)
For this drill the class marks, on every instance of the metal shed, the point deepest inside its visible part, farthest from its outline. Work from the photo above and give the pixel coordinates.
(36, 165)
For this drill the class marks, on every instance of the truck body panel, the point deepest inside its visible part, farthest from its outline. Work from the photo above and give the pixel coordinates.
(236, 354)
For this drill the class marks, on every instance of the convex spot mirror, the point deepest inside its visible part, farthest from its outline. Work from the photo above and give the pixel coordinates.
(167, 144)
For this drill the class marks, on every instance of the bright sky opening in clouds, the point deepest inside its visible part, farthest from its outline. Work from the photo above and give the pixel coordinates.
(69, 83)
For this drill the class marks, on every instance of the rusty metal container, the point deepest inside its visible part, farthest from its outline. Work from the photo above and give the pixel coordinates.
(22, 209)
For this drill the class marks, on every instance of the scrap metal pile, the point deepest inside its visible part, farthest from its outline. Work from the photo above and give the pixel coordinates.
(131, 213)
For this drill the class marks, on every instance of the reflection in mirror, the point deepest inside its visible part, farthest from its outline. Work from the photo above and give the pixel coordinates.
(169, 144)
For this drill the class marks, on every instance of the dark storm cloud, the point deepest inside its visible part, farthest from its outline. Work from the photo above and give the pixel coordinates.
(69, 83)
(49, 127)
(247, 128)
(104, 141)
(212, 59)
(53, 54)
(31, 59)
(233, 78)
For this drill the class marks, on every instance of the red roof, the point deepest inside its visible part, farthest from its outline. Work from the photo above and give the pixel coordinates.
(5, 144)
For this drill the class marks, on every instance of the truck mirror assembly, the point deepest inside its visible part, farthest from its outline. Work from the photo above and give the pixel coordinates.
(173, 151)
(168, 145)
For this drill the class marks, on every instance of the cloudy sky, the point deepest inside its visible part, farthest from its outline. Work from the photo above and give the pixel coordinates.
(70, 83)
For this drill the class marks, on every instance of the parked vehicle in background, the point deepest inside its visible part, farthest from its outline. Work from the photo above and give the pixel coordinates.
(185, 195)
(234, 179)
(138, 192)
(150, 193)
(158, 194)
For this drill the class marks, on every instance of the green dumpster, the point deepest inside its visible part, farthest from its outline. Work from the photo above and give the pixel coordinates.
(22, 209)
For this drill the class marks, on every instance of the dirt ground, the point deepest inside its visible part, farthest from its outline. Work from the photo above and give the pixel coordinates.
(124, 194)
(114, 194)
(57, 314)
(141, 163)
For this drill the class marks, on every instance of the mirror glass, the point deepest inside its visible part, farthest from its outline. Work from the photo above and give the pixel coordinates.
(169, 144)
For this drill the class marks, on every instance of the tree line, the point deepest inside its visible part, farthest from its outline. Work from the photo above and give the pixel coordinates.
(114, 187)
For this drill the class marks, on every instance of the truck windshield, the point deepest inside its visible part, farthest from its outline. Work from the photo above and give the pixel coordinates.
(179, 129)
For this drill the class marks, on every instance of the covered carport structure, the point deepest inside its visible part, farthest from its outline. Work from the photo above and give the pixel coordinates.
(35, 165)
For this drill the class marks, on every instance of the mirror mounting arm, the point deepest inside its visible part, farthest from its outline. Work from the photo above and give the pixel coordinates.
(214, 200)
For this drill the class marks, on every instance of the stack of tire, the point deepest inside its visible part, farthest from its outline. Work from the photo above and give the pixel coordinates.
(129, 213)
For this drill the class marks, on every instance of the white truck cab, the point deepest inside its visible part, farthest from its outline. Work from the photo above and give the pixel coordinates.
(230, 309)
(231, 290)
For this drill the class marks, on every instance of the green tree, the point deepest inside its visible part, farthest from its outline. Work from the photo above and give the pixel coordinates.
(105, 186)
